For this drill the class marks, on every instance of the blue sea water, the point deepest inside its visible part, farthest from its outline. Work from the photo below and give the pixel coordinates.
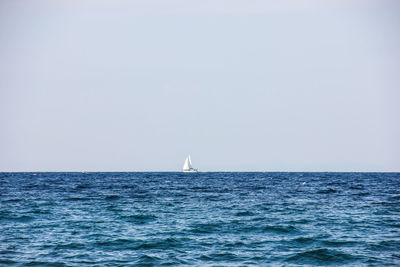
(200, 219)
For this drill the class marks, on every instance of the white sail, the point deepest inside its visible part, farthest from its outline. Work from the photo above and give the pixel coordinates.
(188, 164)
(190, 161)
(187, 167)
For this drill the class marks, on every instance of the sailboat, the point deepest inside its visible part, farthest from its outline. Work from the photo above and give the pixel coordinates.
(187, 167)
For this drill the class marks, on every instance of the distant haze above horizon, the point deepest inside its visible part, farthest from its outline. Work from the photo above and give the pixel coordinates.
(239, 85)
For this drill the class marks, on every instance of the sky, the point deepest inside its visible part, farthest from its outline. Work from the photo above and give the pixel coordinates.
(240, 85)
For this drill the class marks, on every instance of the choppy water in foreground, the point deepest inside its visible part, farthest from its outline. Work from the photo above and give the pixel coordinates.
(204, 219)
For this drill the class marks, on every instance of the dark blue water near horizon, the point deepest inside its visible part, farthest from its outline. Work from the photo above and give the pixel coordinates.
(200, 219)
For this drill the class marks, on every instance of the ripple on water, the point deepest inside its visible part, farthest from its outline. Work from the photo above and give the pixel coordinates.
(205, 228)
(112, 197)
(165, 243)
(387, 245)
(18, 218)
(321, 256)
(289, 229)
(147, 260)
(221, 257)
(339, 243)
(139, 218)
(70, 246)
(327, 191)
(8, 262)
(244, 213)
(120, 243)
(303, 241)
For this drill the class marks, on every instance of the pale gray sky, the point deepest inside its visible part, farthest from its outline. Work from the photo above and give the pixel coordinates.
(240, 85)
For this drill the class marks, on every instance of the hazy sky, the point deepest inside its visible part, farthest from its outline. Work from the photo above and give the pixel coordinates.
(240, 85)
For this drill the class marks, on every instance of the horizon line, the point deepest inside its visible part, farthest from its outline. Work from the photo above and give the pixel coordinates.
(175, 171)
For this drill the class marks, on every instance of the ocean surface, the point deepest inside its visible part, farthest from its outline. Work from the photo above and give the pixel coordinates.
(200, 219)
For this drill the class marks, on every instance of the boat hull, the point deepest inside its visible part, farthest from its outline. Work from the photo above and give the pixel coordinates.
(192, 170)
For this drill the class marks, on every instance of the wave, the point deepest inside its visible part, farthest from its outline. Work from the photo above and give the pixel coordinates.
(161, 244)
(303, 240)
(387, 245)
(116, 243)
(21, 219)
(279, 229)
(112, 197)
(339, 243)
(221, 256)
(77, 198)
(146, 260)
(327, 191)
(205, 228)
(82, 186)
(44, 263)
(12, 200)
(139, 218)
(72, 246)
(320, 257)
(244, 213)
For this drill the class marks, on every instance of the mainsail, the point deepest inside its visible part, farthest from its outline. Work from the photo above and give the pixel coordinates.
(188, 164)
(187, 167)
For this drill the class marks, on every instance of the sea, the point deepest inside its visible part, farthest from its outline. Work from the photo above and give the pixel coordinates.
(200, 219)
